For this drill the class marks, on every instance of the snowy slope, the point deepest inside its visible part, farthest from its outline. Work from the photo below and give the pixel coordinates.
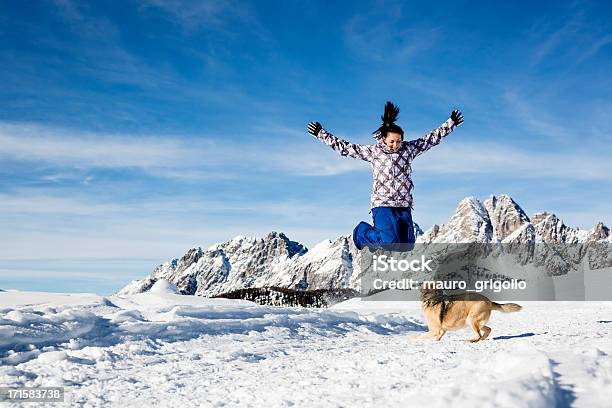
(164, 349)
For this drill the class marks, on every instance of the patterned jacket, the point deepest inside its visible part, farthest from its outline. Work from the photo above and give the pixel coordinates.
(391, 171)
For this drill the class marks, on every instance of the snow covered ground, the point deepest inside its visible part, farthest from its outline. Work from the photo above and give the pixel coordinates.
(160, 348)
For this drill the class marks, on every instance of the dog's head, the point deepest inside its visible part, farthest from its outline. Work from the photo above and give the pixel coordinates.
(429, 292)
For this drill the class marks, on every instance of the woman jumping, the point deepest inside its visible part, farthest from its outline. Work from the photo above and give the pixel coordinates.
(391, 160)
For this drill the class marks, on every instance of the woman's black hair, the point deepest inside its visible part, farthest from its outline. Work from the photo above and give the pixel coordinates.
(388, 118)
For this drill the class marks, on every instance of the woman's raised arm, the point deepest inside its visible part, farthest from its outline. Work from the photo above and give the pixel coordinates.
(344, 147)
(426, 142)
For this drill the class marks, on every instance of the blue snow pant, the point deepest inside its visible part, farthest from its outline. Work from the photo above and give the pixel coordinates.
(392, 225)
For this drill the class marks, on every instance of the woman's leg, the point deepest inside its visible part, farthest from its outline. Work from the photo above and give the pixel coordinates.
(384, 231)
(406, 229)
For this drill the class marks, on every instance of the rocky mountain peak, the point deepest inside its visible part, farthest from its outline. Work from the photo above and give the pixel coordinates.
(430, 235)
(539, 217)
(505, 214)
(553, 230)
(192, 256)
(599, 232)
(469, 223)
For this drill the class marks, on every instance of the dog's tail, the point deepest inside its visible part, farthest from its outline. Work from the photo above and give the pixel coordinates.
(506, 307)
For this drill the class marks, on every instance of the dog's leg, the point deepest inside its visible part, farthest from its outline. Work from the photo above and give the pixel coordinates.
(476, 327)
(441, 333)
(487, 331)
(427, 335)
(435, 331)
(436, 335)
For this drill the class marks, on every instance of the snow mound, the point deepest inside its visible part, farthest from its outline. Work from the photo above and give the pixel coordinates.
(23, 332)
(163, 286)
(42, 323)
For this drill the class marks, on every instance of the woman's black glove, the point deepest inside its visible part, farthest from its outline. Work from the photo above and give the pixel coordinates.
(457, 117)
(314, 128)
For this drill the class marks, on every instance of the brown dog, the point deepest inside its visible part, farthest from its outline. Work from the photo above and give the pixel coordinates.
(451, 312)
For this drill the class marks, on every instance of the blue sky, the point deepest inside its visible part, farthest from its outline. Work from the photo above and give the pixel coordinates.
(132, 131)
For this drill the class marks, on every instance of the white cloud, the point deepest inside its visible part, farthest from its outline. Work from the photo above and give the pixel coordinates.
(205, 159)
(194, 14)
(167, 156)
(574, 36)
(64, 147)
(223, 17)
(535, 119)
(36, 224)
(384, 36)
(513, 162)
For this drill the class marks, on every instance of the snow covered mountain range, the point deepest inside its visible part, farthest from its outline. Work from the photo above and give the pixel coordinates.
(277, 261)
